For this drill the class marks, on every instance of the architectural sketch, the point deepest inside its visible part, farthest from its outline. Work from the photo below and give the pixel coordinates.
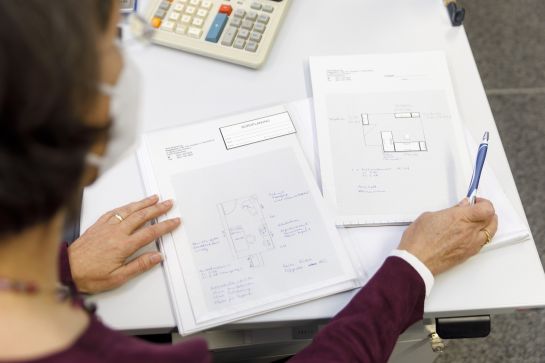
(394, 132)
(246, 228)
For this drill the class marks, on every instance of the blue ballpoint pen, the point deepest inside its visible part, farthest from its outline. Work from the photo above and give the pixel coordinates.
(481, 156)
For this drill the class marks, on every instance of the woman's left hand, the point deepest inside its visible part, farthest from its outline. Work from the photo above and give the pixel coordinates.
(98, 259)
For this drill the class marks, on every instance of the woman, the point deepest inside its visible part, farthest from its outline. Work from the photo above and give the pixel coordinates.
(62, 123)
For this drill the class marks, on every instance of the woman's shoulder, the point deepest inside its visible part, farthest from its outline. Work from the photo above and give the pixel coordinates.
(101, 344)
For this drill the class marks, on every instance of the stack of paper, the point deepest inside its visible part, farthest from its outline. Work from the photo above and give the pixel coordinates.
(257, 234)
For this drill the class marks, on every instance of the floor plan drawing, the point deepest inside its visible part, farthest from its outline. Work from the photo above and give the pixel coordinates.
(394, 132)
(246, 228)
(257, 235)
(378, 143)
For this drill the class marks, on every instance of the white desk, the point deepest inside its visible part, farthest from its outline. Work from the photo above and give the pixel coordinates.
(181, 88)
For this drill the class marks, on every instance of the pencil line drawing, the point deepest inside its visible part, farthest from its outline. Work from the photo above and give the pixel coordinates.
(394, 132)
(246, 229)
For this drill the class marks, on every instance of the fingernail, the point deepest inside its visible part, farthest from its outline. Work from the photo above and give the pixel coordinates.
(168, 203)
(177, 220)
(153, 197)
(156, 258)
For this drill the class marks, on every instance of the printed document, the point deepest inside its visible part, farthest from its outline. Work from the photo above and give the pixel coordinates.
(255, 233)
(390, 140)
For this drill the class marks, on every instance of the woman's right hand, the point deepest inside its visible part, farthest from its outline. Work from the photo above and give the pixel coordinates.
(446, 238)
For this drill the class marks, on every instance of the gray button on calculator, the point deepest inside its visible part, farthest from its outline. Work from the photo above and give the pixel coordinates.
(268, 8)
(256, 6)
(236, 22)
(229, 36)
(259, 27)
(239, 43)
(256, 37)
(246, 24)
(243, 33)
(239, 13)
(164, 5)
(252, 15)
(251, 46)
(263, 18)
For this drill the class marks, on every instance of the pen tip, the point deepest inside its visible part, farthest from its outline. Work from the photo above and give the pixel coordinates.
(485, 136)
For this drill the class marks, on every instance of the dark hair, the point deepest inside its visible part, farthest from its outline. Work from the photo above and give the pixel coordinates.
(49, 70)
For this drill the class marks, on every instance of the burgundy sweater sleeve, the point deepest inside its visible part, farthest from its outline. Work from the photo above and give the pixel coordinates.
(367, 329)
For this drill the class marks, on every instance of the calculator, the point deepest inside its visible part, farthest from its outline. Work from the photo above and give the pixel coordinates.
(236, 31)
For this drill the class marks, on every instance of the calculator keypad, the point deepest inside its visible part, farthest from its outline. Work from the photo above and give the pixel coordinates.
(239, 27)
(183, 17)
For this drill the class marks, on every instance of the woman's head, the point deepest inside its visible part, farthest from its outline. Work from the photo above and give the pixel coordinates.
(53, 54)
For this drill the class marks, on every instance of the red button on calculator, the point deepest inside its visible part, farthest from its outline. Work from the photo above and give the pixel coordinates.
(226, 9)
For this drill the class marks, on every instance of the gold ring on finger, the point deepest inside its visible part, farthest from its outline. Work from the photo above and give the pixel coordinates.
(118, 216)
(488, 236)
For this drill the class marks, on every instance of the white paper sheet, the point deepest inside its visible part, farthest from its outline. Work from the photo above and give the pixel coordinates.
(256, 235)
(389, 138)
